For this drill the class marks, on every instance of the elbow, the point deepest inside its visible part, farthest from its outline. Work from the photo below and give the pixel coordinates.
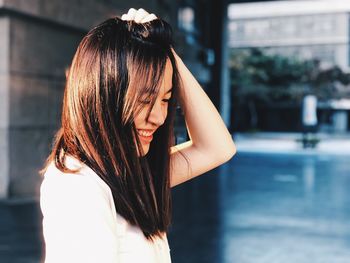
(230, 151)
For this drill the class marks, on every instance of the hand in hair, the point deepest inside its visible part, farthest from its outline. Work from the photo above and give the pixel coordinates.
(138, 16)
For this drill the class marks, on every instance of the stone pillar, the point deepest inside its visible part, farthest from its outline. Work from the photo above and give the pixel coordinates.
(4, 106)
(39, 54)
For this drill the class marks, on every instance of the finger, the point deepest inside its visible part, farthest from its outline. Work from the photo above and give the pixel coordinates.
(131, 13)
(149, 18)
(125, 17)
(140, 14)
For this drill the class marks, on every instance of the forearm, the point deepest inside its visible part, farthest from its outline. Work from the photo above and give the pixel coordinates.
(205, 126)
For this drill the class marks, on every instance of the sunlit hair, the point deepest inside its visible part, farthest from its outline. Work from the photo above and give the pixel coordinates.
(117, 65)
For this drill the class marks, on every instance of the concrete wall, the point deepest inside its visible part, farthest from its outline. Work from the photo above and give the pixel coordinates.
(38, 56)
(76, 13)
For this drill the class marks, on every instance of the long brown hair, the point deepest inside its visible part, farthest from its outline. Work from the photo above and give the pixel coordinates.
(117, 64)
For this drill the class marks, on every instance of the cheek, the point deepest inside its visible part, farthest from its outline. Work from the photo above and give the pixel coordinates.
(165, 112)
(140, 118)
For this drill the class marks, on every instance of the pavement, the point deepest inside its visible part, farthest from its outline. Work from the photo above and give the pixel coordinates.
(265, 208)
(290, 143)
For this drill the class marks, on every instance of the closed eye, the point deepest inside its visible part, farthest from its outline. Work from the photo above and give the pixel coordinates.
(148, 101)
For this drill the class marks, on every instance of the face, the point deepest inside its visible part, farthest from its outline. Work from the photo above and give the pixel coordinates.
(146, 128)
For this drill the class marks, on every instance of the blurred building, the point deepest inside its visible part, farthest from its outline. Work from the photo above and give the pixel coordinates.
(38, 40)
(302, 29)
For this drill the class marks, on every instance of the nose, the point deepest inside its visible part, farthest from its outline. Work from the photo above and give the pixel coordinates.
(158, 114)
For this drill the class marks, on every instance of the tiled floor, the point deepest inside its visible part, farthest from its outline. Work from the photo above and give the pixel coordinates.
(257, 208)
(266, 208)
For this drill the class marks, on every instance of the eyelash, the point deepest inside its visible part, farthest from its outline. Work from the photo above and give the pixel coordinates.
(148, 102)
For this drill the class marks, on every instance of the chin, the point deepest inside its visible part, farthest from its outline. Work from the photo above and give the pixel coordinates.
(145, 150)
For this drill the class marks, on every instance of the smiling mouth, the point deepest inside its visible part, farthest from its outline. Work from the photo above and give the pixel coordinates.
(145, 136)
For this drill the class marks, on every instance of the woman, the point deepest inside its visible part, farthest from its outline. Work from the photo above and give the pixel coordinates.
(106, 195)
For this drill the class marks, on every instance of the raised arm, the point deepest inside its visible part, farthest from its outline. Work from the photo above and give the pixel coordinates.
(210, 143)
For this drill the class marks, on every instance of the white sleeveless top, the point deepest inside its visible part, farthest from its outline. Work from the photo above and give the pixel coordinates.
(80, 223)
